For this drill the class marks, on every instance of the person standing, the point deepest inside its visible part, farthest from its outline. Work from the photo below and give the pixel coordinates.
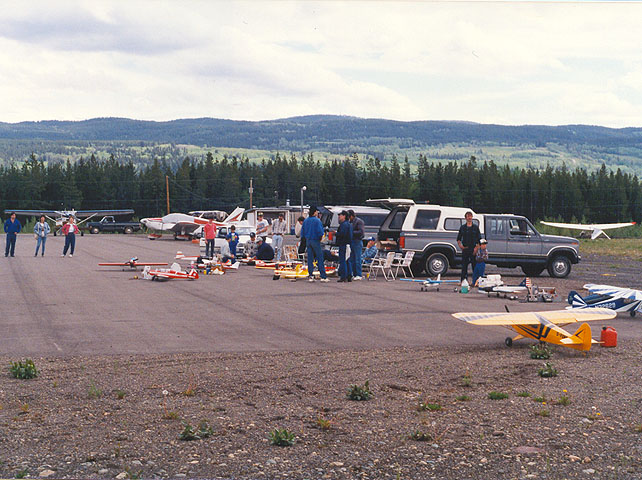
(12, 228)
(69, 230)
(209, 231)
(41, 229)
(279, 229)
(467, 239)
(344, 238)
(234, 240)
(262, 226)
(312, 232)
(356, 246)
(481, 257)
(297, 231)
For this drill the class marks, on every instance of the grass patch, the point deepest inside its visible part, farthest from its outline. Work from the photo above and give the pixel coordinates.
(524, 394)
(497, 395)
(360, 392)
(281, 438)
(427, 406)
(420, 436)
(23, 370)
(463, 398)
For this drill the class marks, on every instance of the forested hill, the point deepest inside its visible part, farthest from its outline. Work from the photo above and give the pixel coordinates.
(335, 134)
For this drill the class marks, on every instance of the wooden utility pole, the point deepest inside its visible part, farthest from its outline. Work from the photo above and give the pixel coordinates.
(167, 190)
(251, 190)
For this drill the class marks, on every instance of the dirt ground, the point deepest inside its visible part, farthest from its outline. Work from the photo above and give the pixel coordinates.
(430, 416)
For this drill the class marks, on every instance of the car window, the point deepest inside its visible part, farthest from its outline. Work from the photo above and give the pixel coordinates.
(497, 227)
(519, 226)
(453, 224)
(398, 219)
(222, 232)
(372, 219)
(427, 219)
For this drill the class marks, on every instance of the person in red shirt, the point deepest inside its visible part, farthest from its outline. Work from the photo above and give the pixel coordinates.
(69, 230)
(209, 231)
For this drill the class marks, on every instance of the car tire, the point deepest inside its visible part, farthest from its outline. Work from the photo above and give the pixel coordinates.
(437, 264)
(94, 230)
(532, 270)
(128, 230)
(559, 267)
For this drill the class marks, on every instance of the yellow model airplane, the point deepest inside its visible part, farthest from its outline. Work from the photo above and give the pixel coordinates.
(544, 326)
(299, 271)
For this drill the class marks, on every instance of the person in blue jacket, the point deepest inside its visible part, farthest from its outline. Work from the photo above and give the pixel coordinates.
(344, 238)
(12, 228)
(312, 231)
(41, 229)
(234, 240)
(265, 251)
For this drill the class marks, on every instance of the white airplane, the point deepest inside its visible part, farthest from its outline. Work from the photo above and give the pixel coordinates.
(596, 229)
(60, 217)
(183, 225)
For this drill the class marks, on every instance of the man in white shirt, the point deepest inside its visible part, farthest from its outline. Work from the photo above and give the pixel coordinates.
(262, 226)
(279, 229)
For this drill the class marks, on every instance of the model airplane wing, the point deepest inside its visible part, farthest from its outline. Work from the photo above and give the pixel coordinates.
(597, 229)
(32, 212)
(555, 317)
(630, 293)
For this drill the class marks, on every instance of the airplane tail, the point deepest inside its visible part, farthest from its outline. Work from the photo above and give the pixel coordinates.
(575, 300)
(235, 216)
(584, 334)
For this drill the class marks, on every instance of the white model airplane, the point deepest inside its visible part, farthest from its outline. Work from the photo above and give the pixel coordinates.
(596, 229)
(183, 225)
(60, 217)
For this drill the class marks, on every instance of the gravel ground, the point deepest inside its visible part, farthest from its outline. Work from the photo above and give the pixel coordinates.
(121, 416)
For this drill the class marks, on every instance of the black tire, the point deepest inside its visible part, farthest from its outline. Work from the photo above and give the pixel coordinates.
(559, 267)
(632, 313)
(128, 230)
(508, 342)
(436, 264)
(94, 230)
(532, 270)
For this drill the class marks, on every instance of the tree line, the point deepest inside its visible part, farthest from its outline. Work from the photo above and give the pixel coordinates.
(551, 193)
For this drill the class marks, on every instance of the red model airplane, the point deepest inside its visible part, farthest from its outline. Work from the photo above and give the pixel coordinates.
(131, 263)
(163, 274)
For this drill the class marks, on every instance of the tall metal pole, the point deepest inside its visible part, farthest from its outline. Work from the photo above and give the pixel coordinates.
(251, 190)
(167, 190)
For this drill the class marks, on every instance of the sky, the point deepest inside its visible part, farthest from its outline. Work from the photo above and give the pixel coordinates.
(509, 63)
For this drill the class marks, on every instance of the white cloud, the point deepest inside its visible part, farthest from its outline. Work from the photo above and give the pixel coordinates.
(497, 62)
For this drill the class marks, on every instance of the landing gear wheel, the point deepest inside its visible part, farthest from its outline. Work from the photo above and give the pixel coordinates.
(632, 313)
(508, 342)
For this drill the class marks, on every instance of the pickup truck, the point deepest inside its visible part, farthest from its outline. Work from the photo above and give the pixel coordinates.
(431, 232)
(108, 224)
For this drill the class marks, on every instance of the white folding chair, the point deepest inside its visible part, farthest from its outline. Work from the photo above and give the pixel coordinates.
(404, 264)
(384, 265)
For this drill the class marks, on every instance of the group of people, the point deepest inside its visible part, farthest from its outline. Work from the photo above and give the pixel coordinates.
(41, 230)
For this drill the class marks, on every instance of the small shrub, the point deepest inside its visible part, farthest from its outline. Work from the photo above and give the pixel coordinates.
(497, 395)
(94, 391)
(282, 438)
(463, 398)
(24, 408)
(204, 430)
(170, 415)
(547, 371)
(323, 423)
(544, 412)
(120, 394)
(23, 371)
(563, 400)
(433, 407)
(524, 394)
(638, 428)
(22, 473)
(360, 392)
(541, 399)
(466, 381)
(540, 352)
(420, 436)
(188, 433)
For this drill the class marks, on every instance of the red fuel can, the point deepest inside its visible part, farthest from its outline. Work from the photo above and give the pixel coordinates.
(608, 337)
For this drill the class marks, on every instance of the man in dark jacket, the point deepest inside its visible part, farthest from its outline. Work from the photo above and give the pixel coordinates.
(344, 238)
(312, 231)
(358, 232)
(265, 251)
(12, 228)
(468, 239)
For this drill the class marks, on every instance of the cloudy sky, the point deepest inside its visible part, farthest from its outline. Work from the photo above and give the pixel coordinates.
(491, 62)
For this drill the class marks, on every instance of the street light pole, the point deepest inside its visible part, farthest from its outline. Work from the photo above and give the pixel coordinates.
(303, 189)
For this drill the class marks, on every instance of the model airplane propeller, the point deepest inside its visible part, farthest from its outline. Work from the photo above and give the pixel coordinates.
(544, 326)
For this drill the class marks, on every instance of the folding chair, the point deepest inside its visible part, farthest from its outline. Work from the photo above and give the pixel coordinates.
(403, 264)
(384, 265)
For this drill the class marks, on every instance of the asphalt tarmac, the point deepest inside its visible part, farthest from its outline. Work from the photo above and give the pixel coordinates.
(53, 306)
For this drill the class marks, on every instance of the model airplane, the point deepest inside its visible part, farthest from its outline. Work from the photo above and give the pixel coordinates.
(544, 326)
(204, 262)
(596, 229)
(164, 274)
(132, 263)
(429, 283)
(607, 296)
(60, 217)
(299, 271)
(183, 225)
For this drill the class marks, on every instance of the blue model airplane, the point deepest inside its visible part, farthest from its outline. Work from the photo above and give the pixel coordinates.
(429, 282)
(607, 296)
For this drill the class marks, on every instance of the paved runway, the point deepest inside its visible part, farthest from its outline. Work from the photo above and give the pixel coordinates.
(70, 306)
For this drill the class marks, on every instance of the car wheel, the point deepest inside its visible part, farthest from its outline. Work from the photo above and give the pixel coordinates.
(437, 264)
(532, 271)
(559, 267)
(94, 230)
(128, 230)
